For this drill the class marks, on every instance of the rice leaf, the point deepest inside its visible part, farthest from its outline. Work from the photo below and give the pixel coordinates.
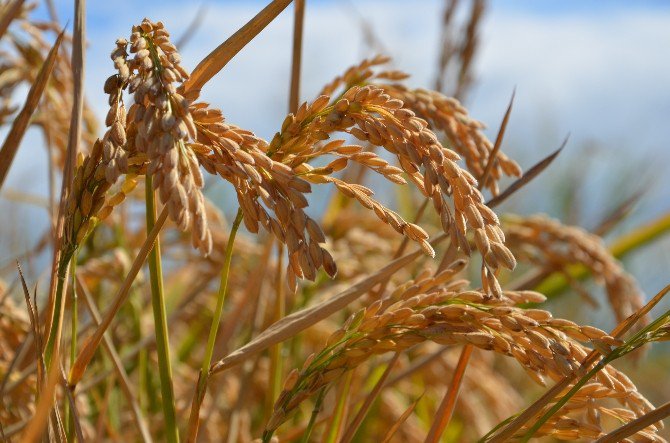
(219, 57)
(20, 124)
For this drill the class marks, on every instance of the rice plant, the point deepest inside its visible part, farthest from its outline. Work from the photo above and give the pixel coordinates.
(419, 320)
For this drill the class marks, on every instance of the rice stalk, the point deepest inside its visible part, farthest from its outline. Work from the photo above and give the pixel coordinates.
(160, 321)
(446, 408)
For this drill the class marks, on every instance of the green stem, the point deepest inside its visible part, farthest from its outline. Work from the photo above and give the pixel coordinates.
(340, 410)
(73, 342)
(160, 321)
(74, 309)
(221, 296)
(315, 413)
(214, 328)
(58, 305)
(276, 351)
(564, 399)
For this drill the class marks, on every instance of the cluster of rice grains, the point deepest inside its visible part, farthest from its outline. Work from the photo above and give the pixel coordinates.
(90, 200)
(160, 126)
(443, 310)
(271, 179)
(554, 246)
(373, 116)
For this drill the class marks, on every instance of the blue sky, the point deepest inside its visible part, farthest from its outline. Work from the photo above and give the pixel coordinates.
(598, 70)
(594, 69)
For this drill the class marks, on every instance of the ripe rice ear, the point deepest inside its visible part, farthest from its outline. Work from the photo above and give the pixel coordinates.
(557, 246)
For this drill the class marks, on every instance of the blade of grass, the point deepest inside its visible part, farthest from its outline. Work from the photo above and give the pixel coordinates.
(527, 177)
(219, 57)
(498, 143)
(369, 400)
(446, 409)
(34, 318)
(638, 424)
(20, 123)
(33, 315)
(405, 415)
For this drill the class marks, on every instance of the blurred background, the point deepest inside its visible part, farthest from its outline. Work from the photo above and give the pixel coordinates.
(598, 71)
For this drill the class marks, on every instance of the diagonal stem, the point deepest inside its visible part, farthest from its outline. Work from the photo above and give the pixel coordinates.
(446, 408)
(369, 400)
(203, 377)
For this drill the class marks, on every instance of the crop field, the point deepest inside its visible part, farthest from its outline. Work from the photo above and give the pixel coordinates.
(360, 278)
